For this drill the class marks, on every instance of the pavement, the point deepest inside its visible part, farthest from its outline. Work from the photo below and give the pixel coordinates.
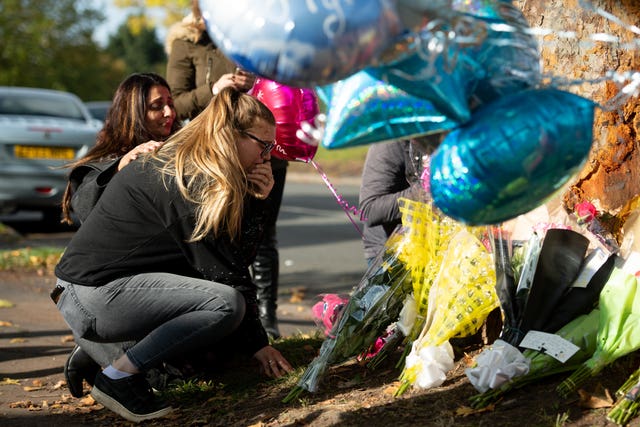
(35, 341)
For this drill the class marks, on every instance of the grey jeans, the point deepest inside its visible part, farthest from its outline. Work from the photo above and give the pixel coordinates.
(154, 317)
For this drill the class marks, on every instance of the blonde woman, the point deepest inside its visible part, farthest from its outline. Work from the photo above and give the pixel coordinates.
(163, 260)
(196, 71)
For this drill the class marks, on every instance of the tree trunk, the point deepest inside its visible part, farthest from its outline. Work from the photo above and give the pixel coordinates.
(610, 177)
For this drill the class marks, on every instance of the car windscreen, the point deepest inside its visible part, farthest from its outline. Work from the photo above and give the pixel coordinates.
(40, 105)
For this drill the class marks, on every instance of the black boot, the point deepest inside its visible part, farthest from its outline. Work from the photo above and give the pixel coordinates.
(265, 275)
(80, 366)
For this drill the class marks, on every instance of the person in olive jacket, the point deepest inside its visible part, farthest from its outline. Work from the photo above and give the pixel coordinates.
(196, 71)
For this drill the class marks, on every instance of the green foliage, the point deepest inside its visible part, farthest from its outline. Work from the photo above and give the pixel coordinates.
(48, 43)
(30, 259)
(139, 50)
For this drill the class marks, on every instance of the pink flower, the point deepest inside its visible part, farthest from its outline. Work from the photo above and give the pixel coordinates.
(585, 212)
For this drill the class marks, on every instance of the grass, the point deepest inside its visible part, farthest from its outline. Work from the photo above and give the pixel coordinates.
(235, 383)
(335, 163)
(42, 259)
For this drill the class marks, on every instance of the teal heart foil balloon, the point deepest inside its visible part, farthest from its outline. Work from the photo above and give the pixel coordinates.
(362, 110)
(511, 156)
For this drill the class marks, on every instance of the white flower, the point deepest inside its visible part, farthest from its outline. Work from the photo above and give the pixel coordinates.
(496, 365)
(408, 315)
(431, 363)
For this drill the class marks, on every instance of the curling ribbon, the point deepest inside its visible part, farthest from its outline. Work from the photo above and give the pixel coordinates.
(348, 210)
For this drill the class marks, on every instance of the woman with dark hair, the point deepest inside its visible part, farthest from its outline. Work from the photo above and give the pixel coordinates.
(141, 117)
(163, 259)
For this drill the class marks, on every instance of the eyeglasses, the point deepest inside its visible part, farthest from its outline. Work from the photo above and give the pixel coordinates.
(267, 146)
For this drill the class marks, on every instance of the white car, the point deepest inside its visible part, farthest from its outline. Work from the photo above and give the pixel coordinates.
(42, 130)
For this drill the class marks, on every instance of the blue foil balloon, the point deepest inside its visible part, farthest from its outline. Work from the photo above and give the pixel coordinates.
(363, 110)
(414, 13)
(434, 70)
(508, 57)
(302, 43)
(511, 156)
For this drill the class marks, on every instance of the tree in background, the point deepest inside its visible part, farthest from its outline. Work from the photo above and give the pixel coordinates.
(137, 47)
(172, 10)
(48, 44)
(611, 177)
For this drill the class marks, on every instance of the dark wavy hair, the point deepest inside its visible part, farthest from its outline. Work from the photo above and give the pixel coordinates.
(124, 126)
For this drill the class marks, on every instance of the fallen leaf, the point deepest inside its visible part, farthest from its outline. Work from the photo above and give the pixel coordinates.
(296, 298)
(590, 401)
(31, 388)
(465, 411)
(392, 389)
(17, 340)
(21, 404)
(6, 304)
(5, 323)
(37, 383)
(67, 338)
(88, 400)
(59, 385)
(9, 381)
(468, 360)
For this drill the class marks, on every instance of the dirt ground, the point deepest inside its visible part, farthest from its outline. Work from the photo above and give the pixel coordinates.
(34, 343)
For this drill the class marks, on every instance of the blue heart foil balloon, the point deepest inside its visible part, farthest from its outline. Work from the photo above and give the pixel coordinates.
(363, 110)
(302, 43)
(511, 156)
(508, 56)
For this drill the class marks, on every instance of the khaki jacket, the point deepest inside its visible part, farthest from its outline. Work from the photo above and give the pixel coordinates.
(194, 65)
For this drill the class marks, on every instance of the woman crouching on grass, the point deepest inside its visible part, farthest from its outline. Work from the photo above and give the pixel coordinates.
(163, 259)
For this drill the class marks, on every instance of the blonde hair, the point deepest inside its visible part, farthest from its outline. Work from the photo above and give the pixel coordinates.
(203, 159)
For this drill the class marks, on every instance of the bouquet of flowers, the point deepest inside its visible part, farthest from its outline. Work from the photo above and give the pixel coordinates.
(618, 333)
(581, 331)
(460, 299)
(373, 305)
(428, 236)
(628, 405)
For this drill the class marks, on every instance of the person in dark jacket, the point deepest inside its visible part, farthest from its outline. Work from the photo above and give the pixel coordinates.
(391, 170)
(196, 71)
(163, 259)
(141, 117)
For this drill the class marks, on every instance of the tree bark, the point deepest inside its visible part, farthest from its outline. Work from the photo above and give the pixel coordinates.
(610, 177)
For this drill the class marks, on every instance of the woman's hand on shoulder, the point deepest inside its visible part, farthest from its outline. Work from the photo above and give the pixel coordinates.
(272, 363)
(146, 147)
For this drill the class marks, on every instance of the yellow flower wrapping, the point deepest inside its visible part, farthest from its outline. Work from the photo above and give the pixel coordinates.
(461, 297)
(427, 237)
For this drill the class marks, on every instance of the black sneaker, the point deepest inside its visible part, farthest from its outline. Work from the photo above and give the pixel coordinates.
(79, 366)
(130, 397)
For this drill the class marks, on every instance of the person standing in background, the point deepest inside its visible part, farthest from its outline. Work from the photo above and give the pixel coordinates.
(391, 170)
(196, 71)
